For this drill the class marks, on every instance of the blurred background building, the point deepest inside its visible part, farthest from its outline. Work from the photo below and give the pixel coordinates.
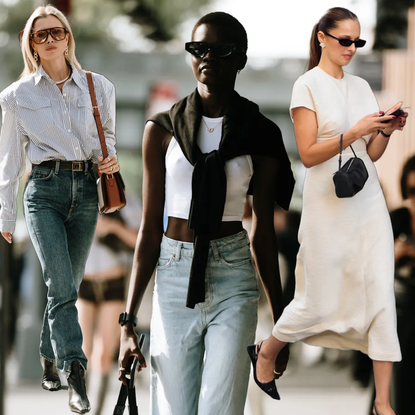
(139, 46)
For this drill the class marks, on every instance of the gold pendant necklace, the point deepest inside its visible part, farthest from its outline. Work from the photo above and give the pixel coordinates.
(211, 129)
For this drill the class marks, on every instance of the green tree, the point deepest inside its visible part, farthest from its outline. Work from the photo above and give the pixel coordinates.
(90, 21)
(391, 24)
(159, 19)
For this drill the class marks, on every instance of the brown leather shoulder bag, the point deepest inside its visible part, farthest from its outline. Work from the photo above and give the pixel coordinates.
(111, 187)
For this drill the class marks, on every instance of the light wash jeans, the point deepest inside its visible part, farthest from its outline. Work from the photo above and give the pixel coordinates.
(61, 210)
(198, 356)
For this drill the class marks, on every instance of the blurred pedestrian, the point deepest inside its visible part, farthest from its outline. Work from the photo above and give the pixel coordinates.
(47, 115)
(403, 224)
(200, 158)
(102, 295)
(344, 275)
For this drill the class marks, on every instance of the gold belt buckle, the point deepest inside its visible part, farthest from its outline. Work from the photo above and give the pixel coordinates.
(77, 166)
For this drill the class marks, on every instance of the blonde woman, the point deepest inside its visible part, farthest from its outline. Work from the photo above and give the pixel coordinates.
(47, 116)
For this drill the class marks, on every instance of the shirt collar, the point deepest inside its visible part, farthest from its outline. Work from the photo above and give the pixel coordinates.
(79, 78)
(76, 77)
(40, 74)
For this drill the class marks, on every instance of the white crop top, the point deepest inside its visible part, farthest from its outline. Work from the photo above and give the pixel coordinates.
(179, 173)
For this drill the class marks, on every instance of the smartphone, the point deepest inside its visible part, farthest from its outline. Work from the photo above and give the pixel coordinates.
(396, 113)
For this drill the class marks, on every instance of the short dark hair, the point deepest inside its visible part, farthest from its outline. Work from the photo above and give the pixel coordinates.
(408, 167)
(225, 20)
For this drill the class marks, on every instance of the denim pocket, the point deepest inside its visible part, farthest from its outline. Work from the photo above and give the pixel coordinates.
(93, 175)
(236, 257)
(165, 260)
(41, 174)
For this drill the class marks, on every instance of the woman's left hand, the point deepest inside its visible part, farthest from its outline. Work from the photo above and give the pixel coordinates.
(108, 165)
(396, 124)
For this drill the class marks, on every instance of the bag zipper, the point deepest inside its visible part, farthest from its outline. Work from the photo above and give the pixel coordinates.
(350, 164)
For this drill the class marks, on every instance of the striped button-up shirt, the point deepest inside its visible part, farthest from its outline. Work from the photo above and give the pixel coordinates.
(40, 121)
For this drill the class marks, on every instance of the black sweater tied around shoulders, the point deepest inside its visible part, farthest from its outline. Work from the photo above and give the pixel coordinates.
(245, 131)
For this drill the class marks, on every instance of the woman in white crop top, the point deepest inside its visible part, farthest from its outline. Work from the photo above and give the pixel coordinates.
(344, 296)
(205, 313)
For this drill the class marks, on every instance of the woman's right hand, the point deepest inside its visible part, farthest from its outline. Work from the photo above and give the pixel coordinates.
(7, 236)
(372, 123)
(129, 347)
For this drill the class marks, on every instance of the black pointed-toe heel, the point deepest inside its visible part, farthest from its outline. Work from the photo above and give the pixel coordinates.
(269, 387)
(50, 377)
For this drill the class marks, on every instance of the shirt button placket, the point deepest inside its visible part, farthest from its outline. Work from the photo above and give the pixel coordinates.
(66, 112)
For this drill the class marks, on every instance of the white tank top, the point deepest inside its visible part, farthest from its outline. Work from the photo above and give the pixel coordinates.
(239, 171)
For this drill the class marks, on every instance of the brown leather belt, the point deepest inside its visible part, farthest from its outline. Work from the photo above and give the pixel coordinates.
(67, 165)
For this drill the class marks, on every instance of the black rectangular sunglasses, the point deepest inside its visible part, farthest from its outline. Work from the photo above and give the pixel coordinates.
(221, 50)
(359, 43)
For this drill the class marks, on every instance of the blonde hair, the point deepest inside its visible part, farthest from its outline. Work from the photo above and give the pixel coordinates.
(30, 64)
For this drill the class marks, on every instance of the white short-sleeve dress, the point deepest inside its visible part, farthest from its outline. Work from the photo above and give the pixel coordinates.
(344, 295)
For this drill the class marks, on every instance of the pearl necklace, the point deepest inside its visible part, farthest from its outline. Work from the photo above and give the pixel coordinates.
(211, 129)
(63, 80)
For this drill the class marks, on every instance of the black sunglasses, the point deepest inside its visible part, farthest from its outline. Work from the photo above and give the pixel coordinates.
(410, 191)
(359, 43)
(57, 33)
(221, 50)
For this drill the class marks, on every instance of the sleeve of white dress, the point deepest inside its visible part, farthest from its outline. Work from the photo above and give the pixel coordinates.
(301, 96)
(13, 144)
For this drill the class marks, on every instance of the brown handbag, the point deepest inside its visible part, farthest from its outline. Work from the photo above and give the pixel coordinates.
(111, 187)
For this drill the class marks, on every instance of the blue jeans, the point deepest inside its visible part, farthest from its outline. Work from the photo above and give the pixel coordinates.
(61, 210)
(198, 356)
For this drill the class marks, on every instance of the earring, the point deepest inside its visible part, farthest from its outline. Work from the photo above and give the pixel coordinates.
(322, 45)
(35, 56)
(239, 71)
(66, 50)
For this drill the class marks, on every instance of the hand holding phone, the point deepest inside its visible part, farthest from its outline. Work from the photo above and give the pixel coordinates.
(397, 113)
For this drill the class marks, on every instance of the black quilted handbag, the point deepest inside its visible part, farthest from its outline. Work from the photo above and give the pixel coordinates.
(351, 177)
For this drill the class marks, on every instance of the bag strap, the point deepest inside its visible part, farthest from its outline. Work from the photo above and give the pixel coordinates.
(341, 150)
(129, 391)
(126, 392)
(97, 115)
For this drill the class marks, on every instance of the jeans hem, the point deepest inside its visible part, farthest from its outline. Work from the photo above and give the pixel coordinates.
(47, 358)
(67, 366)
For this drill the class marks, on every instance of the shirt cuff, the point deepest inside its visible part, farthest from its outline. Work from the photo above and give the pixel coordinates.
(7, 225)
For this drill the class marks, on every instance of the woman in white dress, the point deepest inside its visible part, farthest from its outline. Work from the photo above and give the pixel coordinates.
(344, 295)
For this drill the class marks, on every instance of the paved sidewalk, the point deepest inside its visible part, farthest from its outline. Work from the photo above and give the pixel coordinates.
(321, 390)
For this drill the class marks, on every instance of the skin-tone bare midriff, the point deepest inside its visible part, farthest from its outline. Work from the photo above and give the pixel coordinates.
(177, 229)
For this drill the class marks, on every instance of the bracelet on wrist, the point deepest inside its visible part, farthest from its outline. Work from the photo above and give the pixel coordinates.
(127, 318)
(384, 134)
